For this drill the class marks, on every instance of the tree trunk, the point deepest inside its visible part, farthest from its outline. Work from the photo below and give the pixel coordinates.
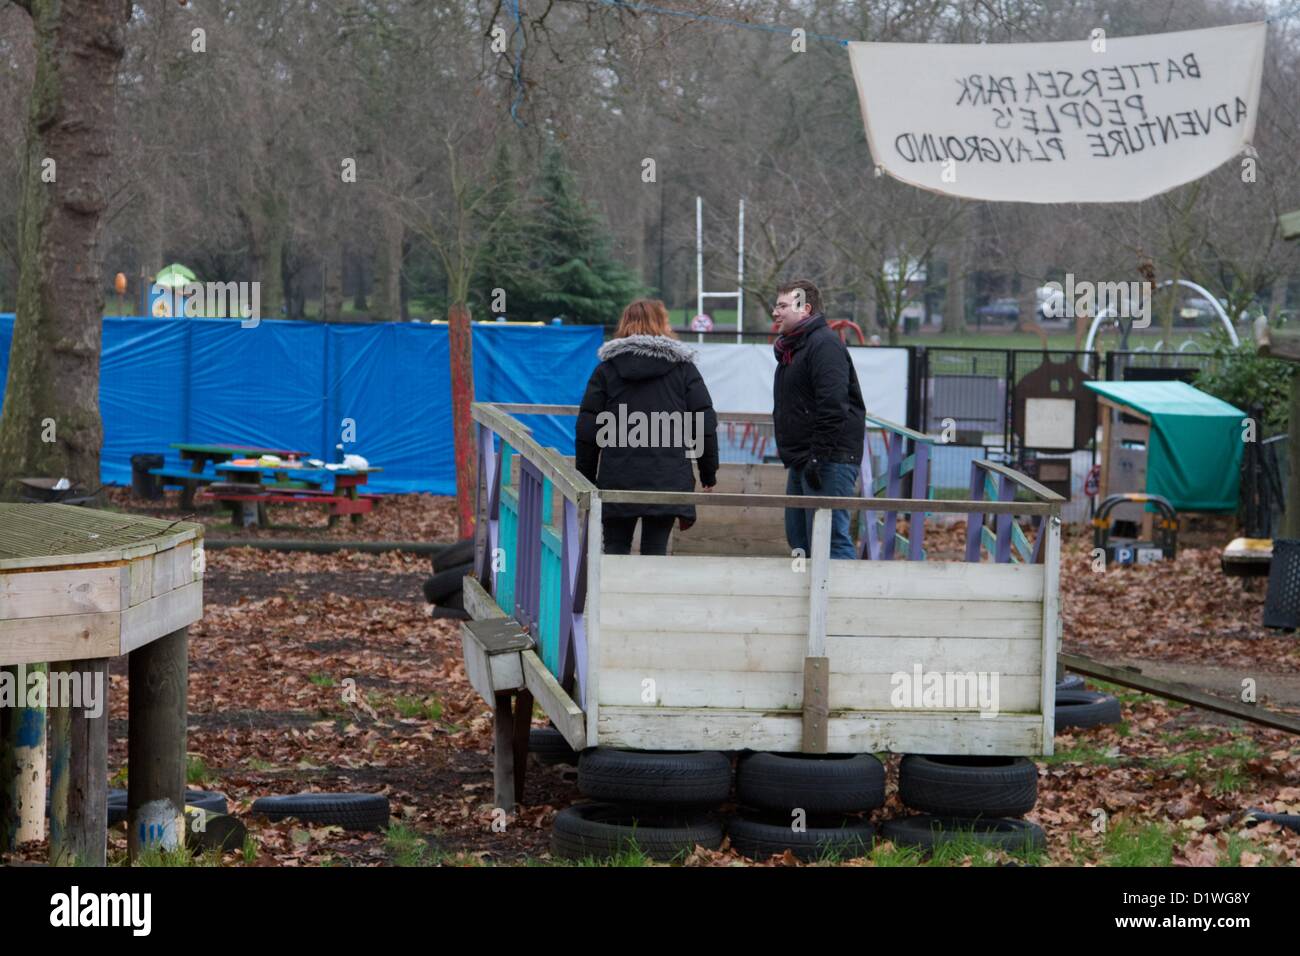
(870, 310)
(388, 271)
(266, 254)
(1291, 520)
(462, 397)
(954, 300)
(359, 303)
(51, 424)
(332, 292)
(151, 242)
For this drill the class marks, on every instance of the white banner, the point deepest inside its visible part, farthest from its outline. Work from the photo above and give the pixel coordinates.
(1111, 119)
(739, 377)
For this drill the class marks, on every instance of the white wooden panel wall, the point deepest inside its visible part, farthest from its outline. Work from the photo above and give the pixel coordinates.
(719, 639)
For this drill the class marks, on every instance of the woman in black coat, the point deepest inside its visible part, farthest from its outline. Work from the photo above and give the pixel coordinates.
(645, 417)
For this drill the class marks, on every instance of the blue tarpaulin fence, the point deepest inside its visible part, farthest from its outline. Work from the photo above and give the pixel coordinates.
(291, 384)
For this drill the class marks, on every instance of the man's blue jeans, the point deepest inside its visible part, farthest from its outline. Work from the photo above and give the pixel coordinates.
(838, 479)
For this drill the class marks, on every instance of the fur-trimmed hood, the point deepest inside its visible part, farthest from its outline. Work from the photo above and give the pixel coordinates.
(648, 346)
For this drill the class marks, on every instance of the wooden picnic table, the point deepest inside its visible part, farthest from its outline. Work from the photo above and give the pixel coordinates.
(347, 482)
(199, 455)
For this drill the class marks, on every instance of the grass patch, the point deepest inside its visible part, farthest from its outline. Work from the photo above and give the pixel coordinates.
(630, 856)
(1190, 735)
(964, 845)
(1232, 856)
(1190, 763)
(893, 854)
(249, 849)
(1240, 749)
(322, 680)
(405, 846)
(196, 770)
(1128, 844)
(181, 856)
(424, 708)
(1082, 753)
(258, 764)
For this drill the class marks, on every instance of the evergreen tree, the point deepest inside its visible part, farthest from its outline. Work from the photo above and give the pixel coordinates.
(580, 279)
(506, 261)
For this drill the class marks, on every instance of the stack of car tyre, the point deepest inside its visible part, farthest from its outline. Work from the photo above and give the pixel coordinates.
(656, 802)
(665, 804)
(813, 806)
(974, 799)
(443, 589)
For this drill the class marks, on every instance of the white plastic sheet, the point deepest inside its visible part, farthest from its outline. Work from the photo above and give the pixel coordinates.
(739, 377)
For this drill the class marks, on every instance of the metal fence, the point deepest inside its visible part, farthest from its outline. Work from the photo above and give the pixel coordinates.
(1145, 366)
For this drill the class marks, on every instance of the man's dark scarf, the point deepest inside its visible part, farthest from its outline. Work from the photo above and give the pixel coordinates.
(786, 341)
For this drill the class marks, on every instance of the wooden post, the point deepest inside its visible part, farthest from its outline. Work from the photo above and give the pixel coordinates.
(25, 735)
(1052, 670)
(503, 754)
(156, 743)
(78, 767)
(523, 722)
(461, 342)
(816, 665)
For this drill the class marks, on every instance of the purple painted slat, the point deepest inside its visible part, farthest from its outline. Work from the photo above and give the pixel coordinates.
(490, 465)
(975, 520)
(920, 487)
(566, 600)
(527, 584)
(1006, 492)
(892, 491)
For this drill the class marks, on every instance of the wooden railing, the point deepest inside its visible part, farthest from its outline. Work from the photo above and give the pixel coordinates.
(1006, 542)
(907, 475)
(532, 564)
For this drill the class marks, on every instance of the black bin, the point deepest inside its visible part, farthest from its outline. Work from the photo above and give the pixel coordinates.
(1282, 603)
(143, 484)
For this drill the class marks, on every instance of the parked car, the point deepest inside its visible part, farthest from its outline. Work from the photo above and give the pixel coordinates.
(999, 310)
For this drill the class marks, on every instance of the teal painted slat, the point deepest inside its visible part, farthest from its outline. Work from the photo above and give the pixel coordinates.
(547, 495)
(509, 544)
(990, 540)
(507, 457)
(549, 617)
(1021, 544)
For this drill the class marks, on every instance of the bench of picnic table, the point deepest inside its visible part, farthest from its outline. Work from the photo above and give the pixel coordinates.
(238, 495)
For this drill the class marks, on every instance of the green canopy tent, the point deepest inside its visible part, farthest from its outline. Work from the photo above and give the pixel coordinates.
(175, 276)
(1194, 452)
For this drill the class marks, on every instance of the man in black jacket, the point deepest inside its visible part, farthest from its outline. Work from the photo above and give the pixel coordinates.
(818, 413)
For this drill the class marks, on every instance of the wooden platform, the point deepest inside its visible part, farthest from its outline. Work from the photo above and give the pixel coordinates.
(78, 586)
(76, 583)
